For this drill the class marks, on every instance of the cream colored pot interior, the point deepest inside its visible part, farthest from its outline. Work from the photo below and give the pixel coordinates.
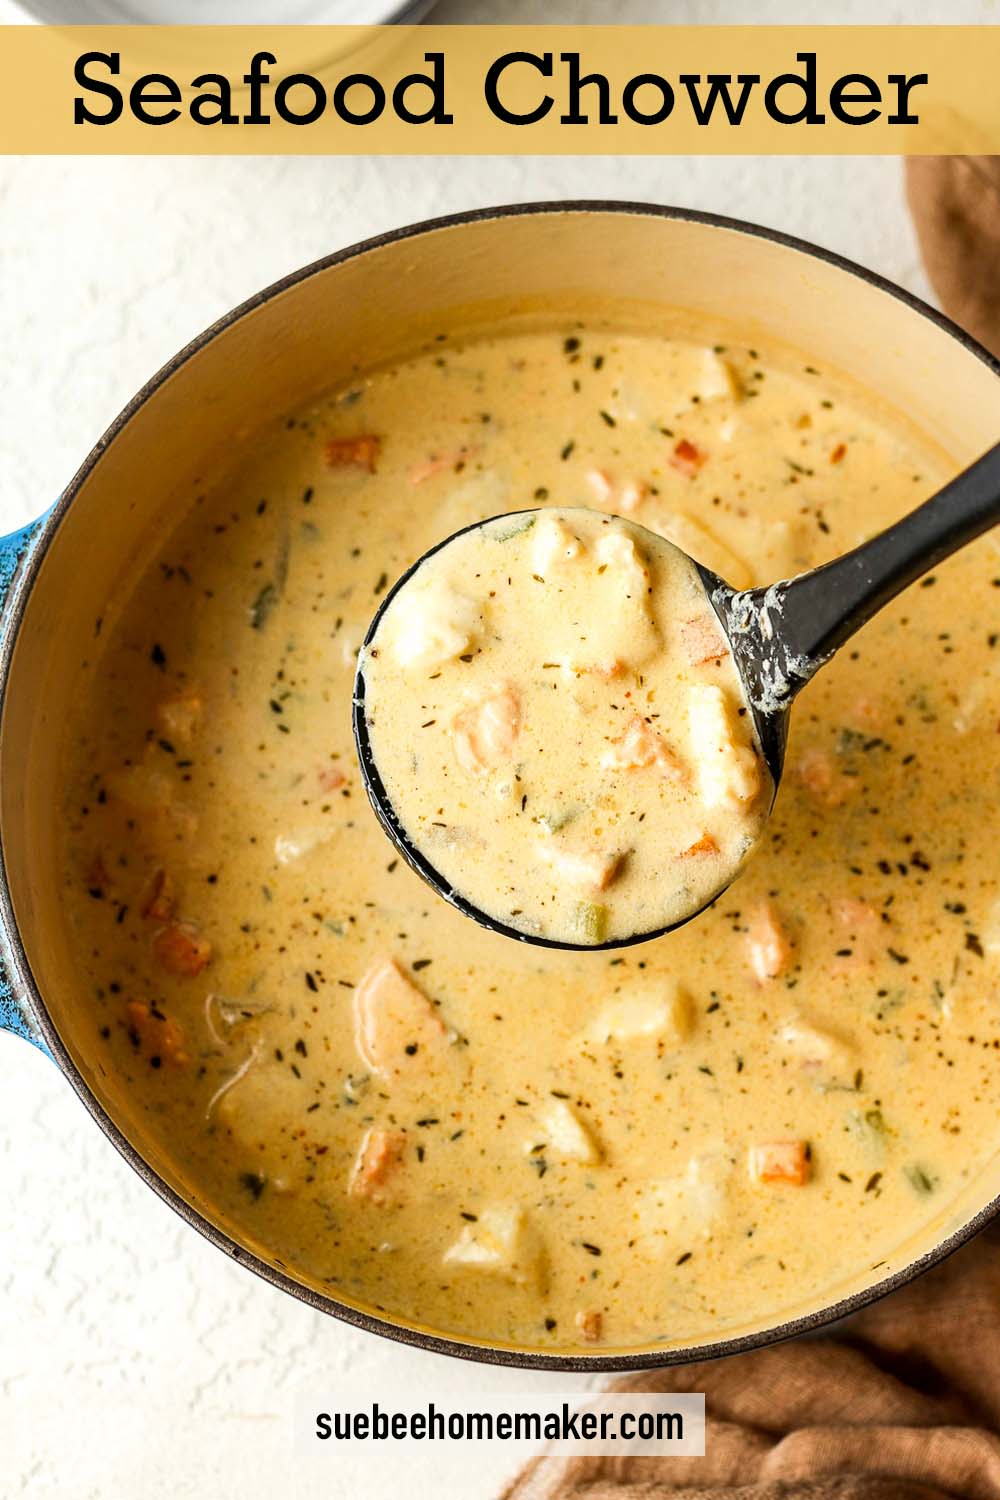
(364, 310)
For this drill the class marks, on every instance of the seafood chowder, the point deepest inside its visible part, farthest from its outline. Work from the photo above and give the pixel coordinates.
(559, 725)
(566, 1151)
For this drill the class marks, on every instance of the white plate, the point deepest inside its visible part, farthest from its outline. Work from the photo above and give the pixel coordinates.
(225, 12)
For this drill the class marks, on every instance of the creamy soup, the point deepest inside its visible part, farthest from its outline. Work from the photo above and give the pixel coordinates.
(560, 729)
(567, 1150)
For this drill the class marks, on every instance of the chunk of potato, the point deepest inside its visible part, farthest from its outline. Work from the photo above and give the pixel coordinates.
(825, 1059)
(584, 869)
(293, 846)
(431, 623)
(717, 380)
(565, 1136)
(690, 1206)
(728, 769)
(662, 1011)
(502, 1242)
(552, 543)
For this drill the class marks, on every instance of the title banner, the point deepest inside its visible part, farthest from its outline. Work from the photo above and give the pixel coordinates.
(913, 90)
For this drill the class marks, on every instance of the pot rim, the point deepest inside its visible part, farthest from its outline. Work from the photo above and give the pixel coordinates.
(436, 1343)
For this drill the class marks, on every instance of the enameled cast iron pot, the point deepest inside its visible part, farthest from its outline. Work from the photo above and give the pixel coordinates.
(380, 300)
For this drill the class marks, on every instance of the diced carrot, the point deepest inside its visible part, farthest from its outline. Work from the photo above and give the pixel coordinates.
(705, 845)
(590, 1324)
(181, 950)
(357, 452)
(159, 901)
(688, 458)
(484, 734)
(838, 453)
(768, 944)
(639, 747)
(703, 640)
(396, 1028)
(380, 1153)
(157, 1036)
(780, 1161)
(331, 778)
(822, 779)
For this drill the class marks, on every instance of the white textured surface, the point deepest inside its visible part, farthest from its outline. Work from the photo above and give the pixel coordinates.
(134, 1359)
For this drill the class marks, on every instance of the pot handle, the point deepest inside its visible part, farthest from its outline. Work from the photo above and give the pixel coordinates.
(15, 1016)
(15, 1011)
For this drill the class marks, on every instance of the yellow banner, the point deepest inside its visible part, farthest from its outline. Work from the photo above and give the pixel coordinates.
(631, 90)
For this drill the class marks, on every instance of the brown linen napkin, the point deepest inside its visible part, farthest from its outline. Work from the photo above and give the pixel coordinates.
(903, 1404)
(955, 203)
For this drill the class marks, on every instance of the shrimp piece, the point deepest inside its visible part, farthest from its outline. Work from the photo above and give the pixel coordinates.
(861, 930)
(687, 458)
(181, 950)
(156, 1035)
(780, 1161)
(703, 641)
(484, 734)
(769, 946)
(640, 747)
(821, 778)
(441, 463)
(331, 778)
(705, 845)
(380, 1153)
(353, 452)
(591, 870)
(396, 1027)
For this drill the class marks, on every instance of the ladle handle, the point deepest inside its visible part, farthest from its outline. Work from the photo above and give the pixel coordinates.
(820, 610)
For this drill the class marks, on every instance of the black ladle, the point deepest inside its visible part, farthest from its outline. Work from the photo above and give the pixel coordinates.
(780, 636)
